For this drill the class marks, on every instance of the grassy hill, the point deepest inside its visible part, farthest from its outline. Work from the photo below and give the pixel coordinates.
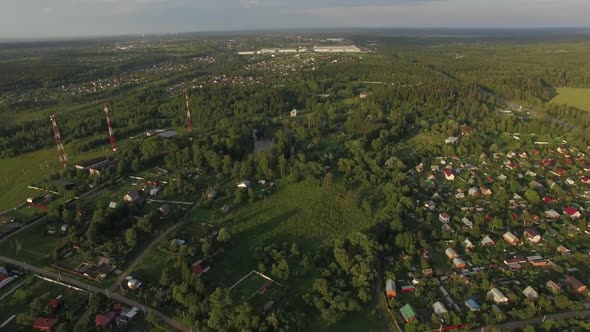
(576, 97)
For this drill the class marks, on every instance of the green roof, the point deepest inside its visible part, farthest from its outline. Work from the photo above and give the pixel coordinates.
(407, 312)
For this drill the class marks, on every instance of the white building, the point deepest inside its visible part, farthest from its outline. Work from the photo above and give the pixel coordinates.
(337, 49)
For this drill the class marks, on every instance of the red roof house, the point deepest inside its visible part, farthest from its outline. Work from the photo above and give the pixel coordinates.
(585, 180)
(548, 199)
(263, 288)
(572, 212)
(44, 324)
(199, 267)
(449, 174)
(54, 305)
(104, 320)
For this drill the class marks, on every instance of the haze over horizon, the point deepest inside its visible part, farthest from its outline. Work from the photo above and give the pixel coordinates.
(76, 18)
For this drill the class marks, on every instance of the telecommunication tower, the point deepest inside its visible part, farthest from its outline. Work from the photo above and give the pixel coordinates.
(189, 122)
(111, 133)
(63, 157)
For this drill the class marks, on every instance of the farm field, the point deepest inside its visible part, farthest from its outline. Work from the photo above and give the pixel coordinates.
(576, 97)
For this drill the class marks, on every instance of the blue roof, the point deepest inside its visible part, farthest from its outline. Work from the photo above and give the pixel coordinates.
(472, 303)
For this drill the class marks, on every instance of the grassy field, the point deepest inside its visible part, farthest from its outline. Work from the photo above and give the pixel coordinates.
(19, 172)
(302, 213)
(576, 97)
(35, 245)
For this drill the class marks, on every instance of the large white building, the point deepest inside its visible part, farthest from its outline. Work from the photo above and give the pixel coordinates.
(337, 49)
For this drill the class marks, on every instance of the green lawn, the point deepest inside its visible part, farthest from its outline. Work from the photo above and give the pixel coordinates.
(576, 97)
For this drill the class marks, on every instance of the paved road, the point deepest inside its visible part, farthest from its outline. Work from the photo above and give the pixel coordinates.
(521, 324)
(117, 297)
(141, 256)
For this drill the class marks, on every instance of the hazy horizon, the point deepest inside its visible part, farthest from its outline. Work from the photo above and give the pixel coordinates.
(86, 18)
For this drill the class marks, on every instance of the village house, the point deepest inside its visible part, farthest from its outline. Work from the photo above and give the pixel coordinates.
(459, 263)
(444, 217)
(449, 174)
(532, 235)
(390, 288)
(485, 191)
(575, 284)
(199, 267)
(572, 212)
(553, 287)
(451, 140)
(294, 112)
(473, 192)
(472, 305)
(563, 250)
(131, 196)
(548, 200)
(466, 223)
(164, 209)
(244, 184)
(451, 253)
(104, 320)
(439, 308)
(552, 214)
(530, 293)
(408, 289)
(497, 296)
(408, 313)
(468, 244)
(487, 241)
(212, 194)
(511, 238)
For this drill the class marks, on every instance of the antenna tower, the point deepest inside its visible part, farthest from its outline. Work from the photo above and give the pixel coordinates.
(111, 133)
(189, 122)
(63, 157)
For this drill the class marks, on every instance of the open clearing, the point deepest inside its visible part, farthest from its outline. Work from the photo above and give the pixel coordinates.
(304, 213)
(576, 97)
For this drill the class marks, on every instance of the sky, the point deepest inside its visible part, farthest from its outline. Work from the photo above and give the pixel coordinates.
(72, 18)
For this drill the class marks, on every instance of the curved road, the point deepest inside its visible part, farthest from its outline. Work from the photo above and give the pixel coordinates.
(141, 256)
(117, 297)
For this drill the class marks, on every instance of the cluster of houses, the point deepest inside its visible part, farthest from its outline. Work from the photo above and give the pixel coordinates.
(118, 317)
(546, 222)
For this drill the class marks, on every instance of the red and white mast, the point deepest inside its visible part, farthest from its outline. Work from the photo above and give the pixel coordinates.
(63, 157)
(189, 122)
(111, 133)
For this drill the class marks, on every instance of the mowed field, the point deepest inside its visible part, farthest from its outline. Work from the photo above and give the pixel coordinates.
(576, 97)
(19, 172)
